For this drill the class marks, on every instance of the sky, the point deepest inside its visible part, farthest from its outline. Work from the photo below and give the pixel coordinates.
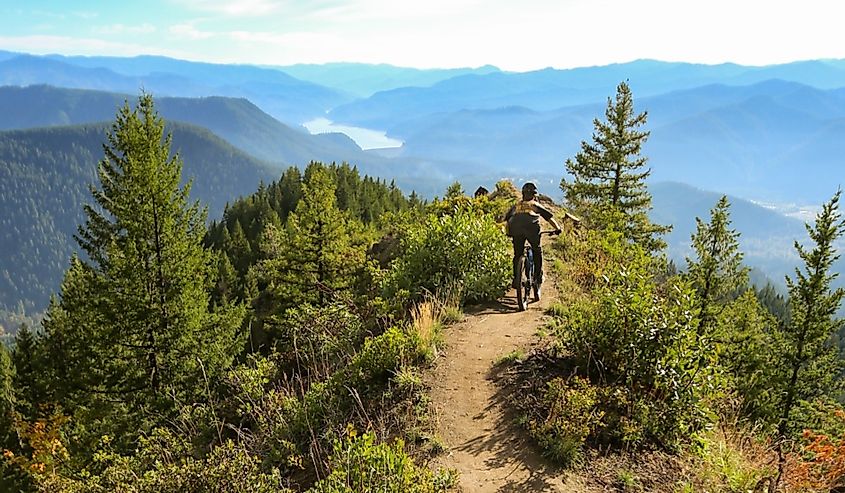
(517, 35)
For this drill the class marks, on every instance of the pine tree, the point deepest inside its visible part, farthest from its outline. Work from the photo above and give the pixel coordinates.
(291, 191)
(717, 273)
(770, 297)
(133, 323)
(812, 361)
(239, 248)
(29, 379)
(608, 177)
(454, 190)
(316, 255)
(414, 201)
(226, 288)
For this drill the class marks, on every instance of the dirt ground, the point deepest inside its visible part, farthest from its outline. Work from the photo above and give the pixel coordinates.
(483, 442)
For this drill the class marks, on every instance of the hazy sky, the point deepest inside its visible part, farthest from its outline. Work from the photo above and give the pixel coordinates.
(511, 34)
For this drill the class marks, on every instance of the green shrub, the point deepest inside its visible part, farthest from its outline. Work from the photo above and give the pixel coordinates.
(361, 465)
(463, 251)
(382, 355)
(285, 419)
(572, 415)
(637, 340)
(163, 464)
(317, 339)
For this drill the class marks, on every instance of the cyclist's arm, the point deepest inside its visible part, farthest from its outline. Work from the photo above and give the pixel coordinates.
(547, 215)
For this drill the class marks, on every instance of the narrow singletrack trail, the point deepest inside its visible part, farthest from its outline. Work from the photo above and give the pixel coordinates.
(483, 442)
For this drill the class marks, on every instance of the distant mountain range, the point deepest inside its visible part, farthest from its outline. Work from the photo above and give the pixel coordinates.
(549, 89)
(286, 98)
(235, 120)
(363, 80)
(772, 141)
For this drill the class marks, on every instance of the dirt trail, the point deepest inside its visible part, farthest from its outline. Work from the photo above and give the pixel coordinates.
(491, 451)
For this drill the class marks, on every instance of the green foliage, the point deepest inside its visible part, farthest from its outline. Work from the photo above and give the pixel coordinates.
(638, 340)
(31, 372)
(243, 229)
(164, 463)
(464, 251)
(285, 413)
(44, 178)
(318, 257)
(7, 401)
(133, 333)
(321, 251)
(717, 273)
(359, 464)
(811, 360)
(731, 463)
(455, 190)
(316, 340)
(572, 414)
(495, 204)
(746, 343)
(608, 185)
(515, 356)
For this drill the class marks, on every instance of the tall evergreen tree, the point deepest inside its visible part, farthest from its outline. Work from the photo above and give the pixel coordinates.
(609, 177)
(29, 382)
(133, 323)
(810, 356)
(717, 273)
(290, 186)
(239, 248)
(770, 298)
(317, 254)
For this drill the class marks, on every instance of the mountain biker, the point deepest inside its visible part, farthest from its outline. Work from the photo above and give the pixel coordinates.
(524, 224)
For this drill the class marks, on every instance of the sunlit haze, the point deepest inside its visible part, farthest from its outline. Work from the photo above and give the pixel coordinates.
(517, 36)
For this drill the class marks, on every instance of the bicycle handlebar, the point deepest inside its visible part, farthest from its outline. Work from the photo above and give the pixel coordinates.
(550, 233)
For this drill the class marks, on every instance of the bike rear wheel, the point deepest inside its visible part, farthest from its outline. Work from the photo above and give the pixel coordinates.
(523, 286)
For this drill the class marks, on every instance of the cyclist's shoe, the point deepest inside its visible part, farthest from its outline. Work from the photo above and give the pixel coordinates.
(538, 293)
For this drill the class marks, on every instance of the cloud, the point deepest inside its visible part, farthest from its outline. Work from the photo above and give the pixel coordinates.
(112, 29)
(43, 45)
(240, 8)
(189, 31)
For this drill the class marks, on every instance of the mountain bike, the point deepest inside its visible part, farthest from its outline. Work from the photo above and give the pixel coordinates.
(527, 285)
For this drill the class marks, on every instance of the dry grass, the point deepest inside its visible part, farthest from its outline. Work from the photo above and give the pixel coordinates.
(430, 315)
(732, 459)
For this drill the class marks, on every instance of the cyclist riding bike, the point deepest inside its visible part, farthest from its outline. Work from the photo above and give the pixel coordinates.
(524, 225)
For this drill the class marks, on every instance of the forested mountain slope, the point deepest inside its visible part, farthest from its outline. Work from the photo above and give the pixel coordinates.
(236, 120)
(44, 179)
